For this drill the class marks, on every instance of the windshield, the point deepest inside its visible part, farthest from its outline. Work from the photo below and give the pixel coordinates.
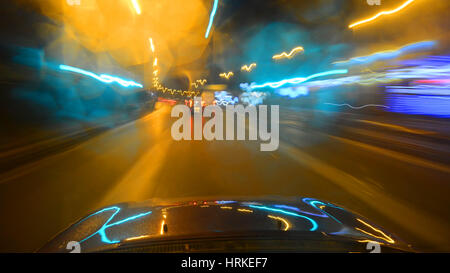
(343, 102)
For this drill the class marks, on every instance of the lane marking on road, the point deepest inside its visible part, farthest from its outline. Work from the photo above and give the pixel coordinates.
(401, 212)
(397, 140)
(399, 156)
(397, 127)
(96, 141)
(139, 182)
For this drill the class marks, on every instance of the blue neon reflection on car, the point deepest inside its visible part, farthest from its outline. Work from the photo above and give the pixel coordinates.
(314, 223)
(106, 225)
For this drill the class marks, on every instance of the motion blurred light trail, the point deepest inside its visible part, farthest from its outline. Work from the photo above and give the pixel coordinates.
(429, 70)
(286, 223)
(293, 92)
(389, 54)
(248, 68)
(103, 77)
(252, 98)
(381, 14)
(152, 46)
(438, 60)
(357, 107)
(211, 18)
(413, 104)
(136, 6)
(164, 89)
(419, 72)
(299, 79)
(225, 98)
(437, 81)
(202, 81)
(426, 90)
(360, 80)
(106, 225)
(385, 237)
(314, 223)
(227, 75)
(199, 83)
(290, 55)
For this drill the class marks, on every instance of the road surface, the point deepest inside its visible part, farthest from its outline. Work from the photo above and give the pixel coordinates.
(396, 175)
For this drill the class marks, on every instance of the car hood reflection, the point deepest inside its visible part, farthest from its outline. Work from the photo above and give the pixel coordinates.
(159, 221)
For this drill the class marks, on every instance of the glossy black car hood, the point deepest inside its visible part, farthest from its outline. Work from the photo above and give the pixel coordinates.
(166, 220)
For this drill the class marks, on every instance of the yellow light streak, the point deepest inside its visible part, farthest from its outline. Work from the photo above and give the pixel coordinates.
(245, 210)
(290, 55)
(370, 241)
(381, 14)
(162, 227)
(160, 87)
(397, 127)
(137, 238)
(384, 238)
(226, 75)
(152, 46)
(199, 83)
(226, 207)
(248, 68)
(136, 6)
(286, 223)
(216, 87)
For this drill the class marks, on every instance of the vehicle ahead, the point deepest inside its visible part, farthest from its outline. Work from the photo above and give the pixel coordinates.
(168, 101)
(271, 224)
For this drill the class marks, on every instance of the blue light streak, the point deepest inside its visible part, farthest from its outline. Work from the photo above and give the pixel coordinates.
(314, 223)
(287, 207)
(435, 67)
(211, 18)
(298, 80)
(356, 107)
(106, 225)
(419, 104)
(293, 92)
(428, 61)
(312, 203)
(253, 98)
(103, 77)
(419, 72)
(299, 210)
(225, 98)
(389, 54)
(222, 202)
(420, 90)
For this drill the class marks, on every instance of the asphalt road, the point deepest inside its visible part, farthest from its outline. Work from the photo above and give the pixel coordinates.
(394, 173)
